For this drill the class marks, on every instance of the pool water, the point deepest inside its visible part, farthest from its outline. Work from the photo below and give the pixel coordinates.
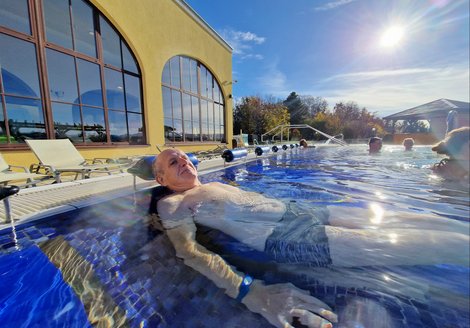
(109, 265)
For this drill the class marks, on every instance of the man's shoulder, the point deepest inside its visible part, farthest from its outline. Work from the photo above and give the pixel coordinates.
(168, 200)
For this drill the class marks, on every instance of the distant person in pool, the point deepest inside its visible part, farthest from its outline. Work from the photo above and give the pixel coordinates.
(408, 143)
(375, 145)
(456, 146)
(291, 234)
(303, 143)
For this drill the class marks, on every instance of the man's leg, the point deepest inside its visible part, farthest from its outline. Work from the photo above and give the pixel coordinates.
(376, 217)
(362, 247)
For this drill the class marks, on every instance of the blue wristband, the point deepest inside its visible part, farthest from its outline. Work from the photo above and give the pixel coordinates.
(244, 287)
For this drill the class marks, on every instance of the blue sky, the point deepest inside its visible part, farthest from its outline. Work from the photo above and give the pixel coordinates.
(337, 49)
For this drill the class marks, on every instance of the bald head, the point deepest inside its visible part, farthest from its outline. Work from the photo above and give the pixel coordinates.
(172, 168)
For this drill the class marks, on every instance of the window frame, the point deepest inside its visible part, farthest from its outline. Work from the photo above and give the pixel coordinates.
(214, 100)
(38, 39)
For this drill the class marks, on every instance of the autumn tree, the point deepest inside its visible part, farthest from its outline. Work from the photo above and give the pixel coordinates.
(254, 115)
(314, 105)
(354, 122)
(247, 114)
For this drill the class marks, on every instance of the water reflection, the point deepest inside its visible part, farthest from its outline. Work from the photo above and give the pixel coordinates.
(378, 214)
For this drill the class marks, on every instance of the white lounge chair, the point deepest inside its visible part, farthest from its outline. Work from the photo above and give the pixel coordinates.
(22, 179)
(57, 156)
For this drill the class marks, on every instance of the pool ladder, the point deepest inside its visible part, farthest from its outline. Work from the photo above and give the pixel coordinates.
(5, 193)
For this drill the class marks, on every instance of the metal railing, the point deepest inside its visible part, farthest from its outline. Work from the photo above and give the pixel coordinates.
(279, 130)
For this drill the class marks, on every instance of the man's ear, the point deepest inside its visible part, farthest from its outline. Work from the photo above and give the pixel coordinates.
(160, 180)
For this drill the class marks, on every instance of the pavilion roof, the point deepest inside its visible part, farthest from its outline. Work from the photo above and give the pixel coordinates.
(433, 109)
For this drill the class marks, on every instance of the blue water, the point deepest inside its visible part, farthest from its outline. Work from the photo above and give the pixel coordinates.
(57, 270)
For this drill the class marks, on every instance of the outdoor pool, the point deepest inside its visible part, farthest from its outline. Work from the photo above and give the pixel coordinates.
(107, 265)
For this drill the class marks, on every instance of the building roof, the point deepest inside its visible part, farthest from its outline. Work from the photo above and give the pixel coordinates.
(436, 108)
(199, 20)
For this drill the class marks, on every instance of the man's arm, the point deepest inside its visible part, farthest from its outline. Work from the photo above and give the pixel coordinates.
(279, 303)
(202, 260)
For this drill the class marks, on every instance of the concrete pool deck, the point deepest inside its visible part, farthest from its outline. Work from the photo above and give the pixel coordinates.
(45, 200)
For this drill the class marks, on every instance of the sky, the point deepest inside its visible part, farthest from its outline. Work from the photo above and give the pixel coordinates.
(385, 55)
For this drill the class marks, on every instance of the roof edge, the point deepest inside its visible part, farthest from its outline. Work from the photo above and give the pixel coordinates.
(198, 19)
(448, 102)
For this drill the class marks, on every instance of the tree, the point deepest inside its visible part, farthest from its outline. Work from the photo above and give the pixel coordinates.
(256, 116)
(275, 115)
(315, 105)
(413, 126)
(350, 120)
(297, 109)
(247, 114)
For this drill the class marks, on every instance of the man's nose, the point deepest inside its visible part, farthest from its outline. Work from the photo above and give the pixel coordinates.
(183, 160)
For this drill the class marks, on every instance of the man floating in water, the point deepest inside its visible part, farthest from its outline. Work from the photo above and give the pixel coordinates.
(291, 234)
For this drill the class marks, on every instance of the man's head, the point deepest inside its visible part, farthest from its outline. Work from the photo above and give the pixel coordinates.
(174, 170)
(375, 144)
(408, 143)
(303, 143)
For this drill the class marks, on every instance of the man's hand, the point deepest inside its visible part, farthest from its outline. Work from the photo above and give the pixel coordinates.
(281, 303)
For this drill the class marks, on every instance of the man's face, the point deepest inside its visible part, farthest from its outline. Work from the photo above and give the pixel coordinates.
(179, 174)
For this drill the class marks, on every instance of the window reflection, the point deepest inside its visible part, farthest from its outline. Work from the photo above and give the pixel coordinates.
(128, 59)
(114, 89)
(186, 72)
(188, 129)
(76, 103)
(168, 129)
(204, 132)
(3, 132)
(19, 67)
(132, 93)
(203, 83)
(15, 15)
(136, 128)
(111, 44)
(166, 73)
(175, 71)
(167, 108)
(195, 118)
(67, 122)
(178, 130)
(94, 125)
(193, 73)
(197, 113)
(117, 126)
(90, 83)
(176, 102)
(83, 28)
(25, 119)
(57, 19)
(186, 106)
(62, 78)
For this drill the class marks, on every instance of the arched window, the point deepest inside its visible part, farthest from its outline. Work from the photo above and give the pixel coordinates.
(193, 104)
(66, 73)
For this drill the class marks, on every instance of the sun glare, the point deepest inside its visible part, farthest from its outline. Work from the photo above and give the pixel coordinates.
(392, 36)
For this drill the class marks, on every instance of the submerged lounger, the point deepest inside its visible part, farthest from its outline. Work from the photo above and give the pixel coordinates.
(60, 155)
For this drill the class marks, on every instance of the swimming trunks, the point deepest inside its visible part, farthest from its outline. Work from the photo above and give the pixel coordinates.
(301, 237)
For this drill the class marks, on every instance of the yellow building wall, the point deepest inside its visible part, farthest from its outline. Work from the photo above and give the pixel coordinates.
(157, 30)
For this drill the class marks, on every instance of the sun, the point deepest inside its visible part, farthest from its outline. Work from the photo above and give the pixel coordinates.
(392, 37)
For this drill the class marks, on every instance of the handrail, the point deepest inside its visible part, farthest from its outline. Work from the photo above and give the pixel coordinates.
(290, 126)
